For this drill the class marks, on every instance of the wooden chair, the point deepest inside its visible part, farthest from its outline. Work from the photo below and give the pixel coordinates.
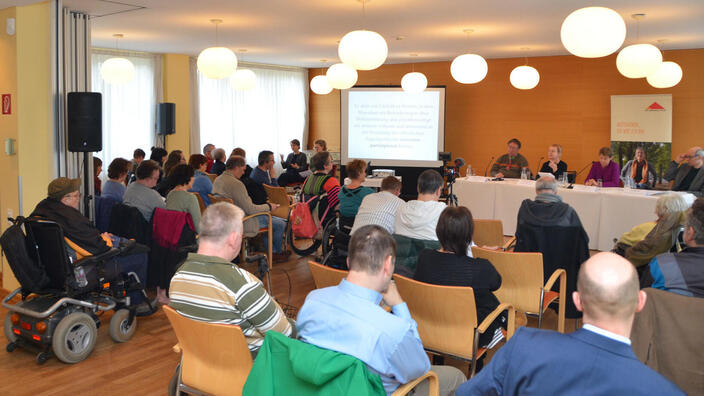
(212, 177)
(490, 233)
(215, 199)
(324, 276)
(447, 318)
(522, 283)
(278, 196)
(200, 201)
(215, 359)
(434, 386)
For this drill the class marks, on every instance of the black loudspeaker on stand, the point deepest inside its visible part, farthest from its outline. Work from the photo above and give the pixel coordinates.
(85, 122)
(166, 119)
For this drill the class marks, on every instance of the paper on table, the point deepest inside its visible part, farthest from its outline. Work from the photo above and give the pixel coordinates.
(582, 187)
(478, 179)
(524, 182)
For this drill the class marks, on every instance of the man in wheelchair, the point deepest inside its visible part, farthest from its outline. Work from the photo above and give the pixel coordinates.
(84, 240)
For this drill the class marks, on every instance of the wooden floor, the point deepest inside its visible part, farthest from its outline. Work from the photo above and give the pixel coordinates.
(144, 365)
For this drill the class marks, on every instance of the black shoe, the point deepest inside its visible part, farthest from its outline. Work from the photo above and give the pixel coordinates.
(147, 308)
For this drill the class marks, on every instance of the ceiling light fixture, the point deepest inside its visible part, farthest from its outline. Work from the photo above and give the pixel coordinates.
(469, 68)
(243, 79)
(217, 62)
(638, 60)
(524, 77)
(363, 49)
(593, 32)
(341, 76)
(414, 82)
(668, 75)
(319, 84)
(117, 70)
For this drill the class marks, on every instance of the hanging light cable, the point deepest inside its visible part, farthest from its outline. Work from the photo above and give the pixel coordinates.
(668, 74)
(117, 70)
(638, 60)
(469, 68)
(363, 49)
(524, 77)
(217, 62)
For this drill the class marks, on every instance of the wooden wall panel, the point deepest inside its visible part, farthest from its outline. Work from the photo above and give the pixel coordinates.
(571, 106)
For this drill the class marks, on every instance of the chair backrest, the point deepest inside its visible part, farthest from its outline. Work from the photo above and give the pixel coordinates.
(215, 199)
(407, 250)
(521, 277)
(488, 233)
(212, 176)
(278, 196)
(201, 204)
(216, 359)
(324, 276)
(446, 315)
(51, 249)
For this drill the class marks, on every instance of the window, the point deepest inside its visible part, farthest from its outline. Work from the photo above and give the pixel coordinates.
(267, 117)
(128, 110)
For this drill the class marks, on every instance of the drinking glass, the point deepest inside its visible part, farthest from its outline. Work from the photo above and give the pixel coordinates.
(600, 183)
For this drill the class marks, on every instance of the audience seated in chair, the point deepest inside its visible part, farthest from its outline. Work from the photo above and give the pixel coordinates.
(450, 266)
(264, 172)
(208, 154)
(240, 151)
(351, 195)
(201, 182)
(417, 219)
(553, 228)
(117, 174)
(181, 177)
(141, 193)
(97, 168)
(596, 359)
(320, 183)
(229, 185)
(683, 272)
(137, 158)
(347, 318)
(219, 164)
(687, 173)
(208, 287)
(380, 208)
(61, 206)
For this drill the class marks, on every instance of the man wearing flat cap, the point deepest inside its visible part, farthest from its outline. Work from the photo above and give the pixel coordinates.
(61, 206)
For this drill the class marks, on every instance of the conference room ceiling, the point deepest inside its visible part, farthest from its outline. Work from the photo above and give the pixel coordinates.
(301, 33)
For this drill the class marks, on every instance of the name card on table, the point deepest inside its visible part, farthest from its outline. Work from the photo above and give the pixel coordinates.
(477, 179)
(582, 187)
(523, 182)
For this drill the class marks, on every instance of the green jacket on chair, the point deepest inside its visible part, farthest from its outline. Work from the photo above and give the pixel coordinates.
(285, 366)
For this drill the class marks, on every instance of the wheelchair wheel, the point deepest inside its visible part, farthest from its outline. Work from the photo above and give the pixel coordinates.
(305, 247)
(119, 331)
(329, 237)
(7, 327)
(74, 337)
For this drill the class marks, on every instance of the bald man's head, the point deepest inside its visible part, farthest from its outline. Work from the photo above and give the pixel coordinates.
(608, 287)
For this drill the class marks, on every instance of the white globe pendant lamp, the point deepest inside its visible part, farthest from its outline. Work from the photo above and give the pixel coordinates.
(341, 76)
(593, 32)
(668, 75)
(524, 77)
(468, 68)
(639, 60)
(243, 80)
(363, 49)
(117, 70)
(319, 84)
(217, 62)
(414, 82)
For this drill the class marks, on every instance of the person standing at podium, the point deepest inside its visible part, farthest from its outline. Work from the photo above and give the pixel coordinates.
(510, 165)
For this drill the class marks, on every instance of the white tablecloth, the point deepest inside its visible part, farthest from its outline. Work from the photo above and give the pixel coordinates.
(605, 213)
(373, 182)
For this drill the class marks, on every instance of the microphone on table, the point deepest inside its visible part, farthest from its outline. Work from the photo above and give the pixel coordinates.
(539, 166)
(487, 165)
(577, 174)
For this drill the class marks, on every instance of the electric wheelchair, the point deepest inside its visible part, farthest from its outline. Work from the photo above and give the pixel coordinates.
(61, 298)
(336, 239)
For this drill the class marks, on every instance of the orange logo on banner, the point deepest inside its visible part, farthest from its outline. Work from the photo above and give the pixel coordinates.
(655, 107)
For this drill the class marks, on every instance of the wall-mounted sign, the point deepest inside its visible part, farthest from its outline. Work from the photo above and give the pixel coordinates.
(6, 104)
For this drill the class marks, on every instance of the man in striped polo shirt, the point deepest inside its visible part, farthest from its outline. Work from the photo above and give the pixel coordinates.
(208, 287)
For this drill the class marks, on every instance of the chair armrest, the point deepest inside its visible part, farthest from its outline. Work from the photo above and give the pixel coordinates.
(268, 214)
(98, 257)
(407, 387)
(509, 243)
(493, 315)
(554, 277)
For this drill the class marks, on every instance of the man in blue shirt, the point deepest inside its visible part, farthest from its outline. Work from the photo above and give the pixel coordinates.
(264, 172)
(348, 318)
(683, 272)
(594, 360)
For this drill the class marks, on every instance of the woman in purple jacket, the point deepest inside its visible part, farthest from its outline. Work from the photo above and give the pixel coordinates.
(605, 170)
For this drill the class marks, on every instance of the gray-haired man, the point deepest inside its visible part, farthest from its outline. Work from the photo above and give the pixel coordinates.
(688, 172)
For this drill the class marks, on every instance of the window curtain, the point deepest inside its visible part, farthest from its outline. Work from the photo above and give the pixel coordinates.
(194, 135)
(129, 110)
(267, 117)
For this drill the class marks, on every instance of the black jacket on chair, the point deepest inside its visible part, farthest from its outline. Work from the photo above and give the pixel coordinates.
(554, 229)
